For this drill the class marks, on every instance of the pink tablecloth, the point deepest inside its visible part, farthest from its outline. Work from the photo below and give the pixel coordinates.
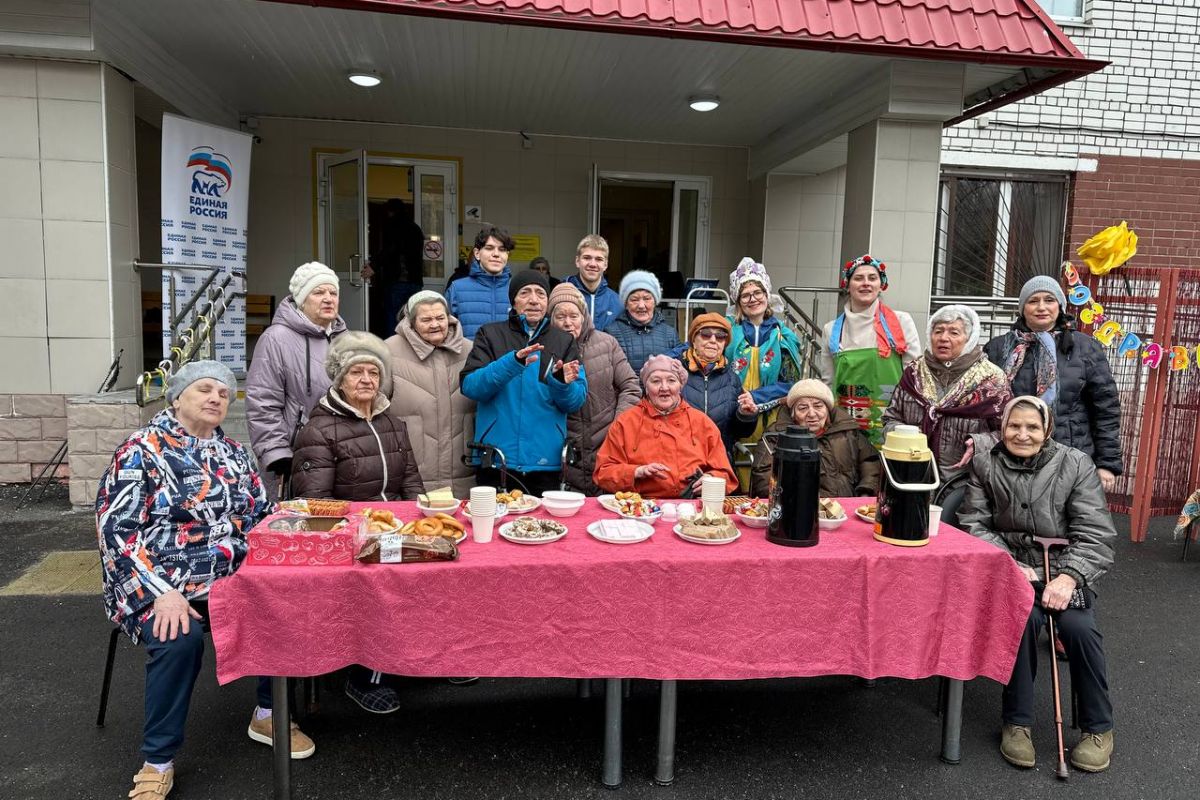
(661, 609)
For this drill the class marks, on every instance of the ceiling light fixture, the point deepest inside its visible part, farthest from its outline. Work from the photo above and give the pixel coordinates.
(704, 102)
(365, 79)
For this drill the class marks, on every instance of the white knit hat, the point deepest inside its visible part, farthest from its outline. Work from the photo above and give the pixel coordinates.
(949, 314)
(308, 277)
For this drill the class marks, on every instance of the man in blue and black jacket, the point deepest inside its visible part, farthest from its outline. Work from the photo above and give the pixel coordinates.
(526, 378)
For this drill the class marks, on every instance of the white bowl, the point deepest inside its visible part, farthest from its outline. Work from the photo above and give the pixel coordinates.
(429, 512)
(832, 524)
(562, 504)
(752, 522)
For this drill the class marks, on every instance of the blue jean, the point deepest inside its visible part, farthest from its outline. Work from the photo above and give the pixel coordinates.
(171, 670)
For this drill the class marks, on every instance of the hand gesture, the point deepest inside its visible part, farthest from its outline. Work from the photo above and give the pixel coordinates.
(366, 272)
(746, 403)
(570, 370)
(1058, 593)
(523, 355)
(1107, 479)
(654, 470)
(171, 616)
(1030, 573)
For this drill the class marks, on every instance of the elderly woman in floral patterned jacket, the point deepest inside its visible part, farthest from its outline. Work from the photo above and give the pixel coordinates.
(950, 393)
(172, 513)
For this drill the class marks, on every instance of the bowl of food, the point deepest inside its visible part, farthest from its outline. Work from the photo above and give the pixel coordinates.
(830, 515)
(866, 513)
(563, 504)
(753, 514)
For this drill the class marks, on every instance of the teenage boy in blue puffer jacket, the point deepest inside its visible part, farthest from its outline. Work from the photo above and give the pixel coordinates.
(482, 296)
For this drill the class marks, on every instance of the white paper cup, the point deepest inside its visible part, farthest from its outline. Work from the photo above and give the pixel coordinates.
(481, 527)
(935, 519)
(712, 487)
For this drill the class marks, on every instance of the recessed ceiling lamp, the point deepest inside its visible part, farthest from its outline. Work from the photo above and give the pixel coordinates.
(364, 78)
(704, 102)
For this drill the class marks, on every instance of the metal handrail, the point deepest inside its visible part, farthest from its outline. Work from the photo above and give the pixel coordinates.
(187, 344)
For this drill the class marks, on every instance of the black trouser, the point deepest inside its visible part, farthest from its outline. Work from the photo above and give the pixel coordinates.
(528, 482)
(1089, 672)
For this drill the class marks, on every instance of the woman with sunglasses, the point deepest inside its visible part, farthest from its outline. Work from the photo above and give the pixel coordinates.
(713, 386)
(867, 347)
(763, 351)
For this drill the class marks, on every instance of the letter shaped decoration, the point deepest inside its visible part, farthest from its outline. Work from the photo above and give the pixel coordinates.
(1070, 274)
(1107, 332)
(1179, 358)
(1079, 295)
(1152, 355)
(1130, 345)
(1092, 315)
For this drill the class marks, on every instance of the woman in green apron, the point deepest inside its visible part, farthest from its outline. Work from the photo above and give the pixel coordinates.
(762, 350)
(867, 346)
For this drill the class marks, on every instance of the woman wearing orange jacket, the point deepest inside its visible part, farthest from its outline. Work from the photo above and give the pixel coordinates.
(662, 446)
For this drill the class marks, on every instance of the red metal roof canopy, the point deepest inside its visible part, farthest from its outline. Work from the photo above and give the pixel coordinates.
(1007, 31)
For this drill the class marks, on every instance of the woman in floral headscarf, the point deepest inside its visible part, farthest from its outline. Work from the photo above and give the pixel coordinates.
(867, 347)
(762, 350)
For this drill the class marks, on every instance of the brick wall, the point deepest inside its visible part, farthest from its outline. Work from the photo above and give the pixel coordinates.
(1145, 103)
(1158, 197)
(32, 426)
(97, 425)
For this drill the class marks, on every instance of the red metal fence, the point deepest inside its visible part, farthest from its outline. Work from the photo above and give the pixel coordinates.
(1160, 408)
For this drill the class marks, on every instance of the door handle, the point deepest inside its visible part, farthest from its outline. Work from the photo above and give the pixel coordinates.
(356, 273)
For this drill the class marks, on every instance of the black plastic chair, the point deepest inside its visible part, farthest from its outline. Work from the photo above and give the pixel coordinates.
(1189, 533)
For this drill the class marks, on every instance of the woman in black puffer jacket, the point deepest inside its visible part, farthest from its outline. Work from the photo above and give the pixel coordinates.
(1076, 382)
(351, 449)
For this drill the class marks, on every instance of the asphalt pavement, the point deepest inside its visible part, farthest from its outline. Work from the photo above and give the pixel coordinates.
(828, 738)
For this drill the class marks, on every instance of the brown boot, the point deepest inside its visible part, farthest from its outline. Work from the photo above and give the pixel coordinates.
(262, 730)
(150, 784)
(1093, 752)
(1016, 745)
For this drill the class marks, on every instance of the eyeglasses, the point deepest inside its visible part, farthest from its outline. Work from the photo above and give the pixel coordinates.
(752, 296)
(713, 333)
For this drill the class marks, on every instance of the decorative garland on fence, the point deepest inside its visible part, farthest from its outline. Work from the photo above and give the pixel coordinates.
(1103, 253)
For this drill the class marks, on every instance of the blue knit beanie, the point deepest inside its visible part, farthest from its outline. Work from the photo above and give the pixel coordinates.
(1043, 283)
(640, 279)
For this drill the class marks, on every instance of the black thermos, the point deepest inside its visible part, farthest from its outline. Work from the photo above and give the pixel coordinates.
(795, 488)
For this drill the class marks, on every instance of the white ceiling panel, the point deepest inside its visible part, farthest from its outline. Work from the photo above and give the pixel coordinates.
(272, 59)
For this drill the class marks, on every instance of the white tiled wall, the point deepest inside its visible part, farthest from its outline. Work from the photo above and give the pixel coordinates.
(541, 191)
(57, 231)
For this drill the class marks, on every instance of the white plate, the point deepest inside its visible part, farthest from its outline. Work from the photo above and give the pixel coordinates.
(679, 532)
(506, 533)
(648, 518)
(609, 501)
(644, 532)
(501, 510)
(528, 503)
(864, 517)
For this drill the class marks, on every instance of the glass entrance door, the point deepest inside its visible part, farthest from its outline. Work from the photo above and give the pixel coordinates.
(437, 214)
(344, 200)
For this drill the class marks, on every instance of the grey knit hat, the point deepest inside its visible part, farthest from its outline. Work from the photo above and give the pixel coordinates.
(953, 312)
(640, 280)
(1043, 283)
(358, 347)
(421, 298)
(194, 371)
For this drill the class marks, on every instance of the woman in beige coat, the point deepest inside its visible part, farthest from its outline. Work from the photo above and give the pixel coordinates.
(427, 354)
(613, 387)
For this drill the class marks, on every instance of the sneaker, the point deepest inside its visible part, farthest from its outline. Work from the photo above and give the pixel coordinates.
(1093, 752)
(378, 699)
(262, 730)
(462, 681)
(1016, 745)
(150, 784)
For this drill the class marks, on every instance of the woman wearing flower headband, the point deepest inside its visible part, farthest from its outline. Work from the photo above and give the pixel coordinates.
(762, 351)
(866, 348)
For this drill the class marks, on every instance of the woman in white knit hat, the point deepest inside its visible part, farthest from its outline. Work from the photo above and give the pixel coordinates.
(849, 462)
(287, 374)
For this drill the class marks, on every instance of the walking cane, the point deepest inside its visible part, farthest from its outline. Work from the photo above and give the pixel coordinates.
(1047, 542)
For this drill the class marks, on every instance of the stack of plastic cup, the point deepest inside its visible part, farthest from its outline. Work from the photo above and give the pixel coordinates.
(483, 513)
(712, 493)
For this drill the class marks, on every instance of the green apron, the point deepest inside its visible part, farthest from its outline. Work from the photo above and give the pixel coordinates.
(863, 384)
